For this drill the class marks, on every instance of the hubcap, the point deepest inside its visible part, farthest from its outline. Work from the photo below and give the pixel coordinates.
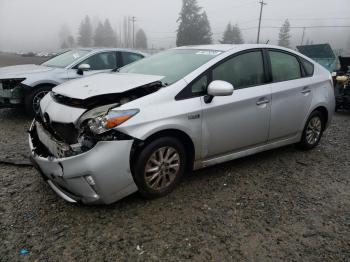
(162, 168)
(36, 100)
(313, 130)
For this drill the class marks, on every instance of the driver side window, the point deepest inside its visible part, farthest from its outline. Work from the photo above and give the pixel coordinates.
(101, 61)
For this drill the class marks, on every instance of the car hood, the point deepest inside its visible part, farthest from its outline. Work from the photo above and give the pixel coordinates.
(104, 84)
(22, 70)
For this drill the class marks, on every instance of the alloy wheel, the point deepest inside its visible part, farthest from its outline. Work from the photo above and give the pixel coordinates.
(162, 168)
(37, 98)
(313, 130)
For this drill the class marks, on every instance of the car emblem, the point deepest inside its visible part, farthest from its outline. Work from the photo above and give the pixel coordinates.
(193, 116)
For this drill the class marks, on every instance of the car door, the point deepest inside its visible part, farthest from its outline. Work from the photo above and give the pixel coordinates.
(101, 62)
(291, 95)
(232, 123)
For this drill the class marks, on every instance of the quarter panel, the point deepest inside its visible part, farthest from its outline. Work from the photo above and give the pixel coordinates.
(289, 107)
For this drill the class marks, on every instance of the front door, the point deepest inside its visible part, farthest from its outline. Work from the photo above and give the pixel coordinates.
(99, 63)
(239, 121)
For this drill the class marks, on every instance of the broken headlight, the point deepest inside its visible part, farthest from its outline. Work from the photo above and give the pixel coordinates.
(113, 118)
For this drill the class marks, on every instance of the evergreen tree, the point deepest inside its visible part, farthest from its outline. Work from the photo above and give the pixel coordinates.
(232, 35)
(66, 39)
(109, 36)
(194, 27)
(141, 40)
(284, 34)
(99, 35)
(85, 33)
(237, 35)
(228, 37)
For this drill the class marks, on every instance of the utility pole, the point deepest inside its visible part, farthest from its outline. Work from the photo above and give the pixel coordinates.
(133, 20)
(302, 38)
(262, 3)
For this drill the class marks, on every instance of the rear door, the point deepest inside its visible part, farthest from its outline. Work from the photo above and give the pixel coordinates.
(291, 94)
(232, 123)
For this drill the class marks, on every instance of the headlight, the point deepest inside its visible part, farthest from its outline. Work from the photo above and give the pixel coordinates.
(112, 119)
(11, 83)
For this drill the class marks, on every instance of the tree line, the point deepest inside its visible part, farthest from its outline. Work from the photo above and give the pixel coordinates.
(194, 28)
(103, 35)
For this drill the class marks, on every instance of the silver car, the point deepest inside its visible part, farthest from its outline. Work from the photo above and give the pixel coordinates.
(27, 84)
(106, 136)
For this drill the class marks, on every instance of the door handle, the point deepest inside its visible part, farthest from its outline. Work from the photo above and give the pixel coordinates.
(262, 102)
(306, 90)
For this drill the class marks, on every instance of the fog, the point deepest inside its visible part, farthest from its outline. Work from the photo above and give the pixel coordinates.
(33, 25)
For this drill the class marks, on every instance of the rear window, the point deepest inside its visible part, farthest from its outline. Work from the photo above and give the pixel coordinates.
(308, 66)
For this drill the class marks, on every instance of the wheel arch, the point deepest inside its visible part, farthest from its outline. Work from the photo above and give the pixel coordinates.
(184, 138)
(324, 111)
(31, 88)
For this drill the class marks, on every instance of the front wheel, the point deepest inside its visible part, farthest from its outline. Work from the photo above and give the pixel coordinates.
(313, 131)
(159, 167)
(32, 101)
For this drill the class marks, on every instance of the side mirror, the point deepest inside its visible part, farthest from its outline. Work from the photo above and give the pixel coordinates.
(218, 88)
(82, 68)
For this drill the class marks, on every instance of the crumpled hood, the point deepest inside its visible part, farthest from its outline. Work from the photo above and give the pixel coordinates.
(22, 70)
(103, 84)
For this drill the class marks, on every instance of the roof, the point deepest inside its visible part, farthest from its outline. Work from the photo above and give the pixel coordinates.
(103, 49)
(226, 47)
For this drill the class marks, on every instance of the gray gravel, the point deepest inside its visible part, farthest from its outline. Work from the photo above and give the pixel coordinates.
(283, 204)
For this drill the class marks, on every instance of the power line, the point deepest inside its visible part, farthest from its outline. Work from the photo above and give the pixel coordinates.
(262, 3)
(307, 19)
(300, 27)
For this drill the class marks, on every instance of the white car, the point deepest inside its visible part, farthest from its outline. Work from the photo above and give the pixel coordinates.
(25, 85)
(103, 137)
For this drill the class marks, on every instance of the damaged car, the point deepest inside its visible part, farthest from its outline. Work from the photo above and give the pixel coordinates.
(25, 85)
(101, 138)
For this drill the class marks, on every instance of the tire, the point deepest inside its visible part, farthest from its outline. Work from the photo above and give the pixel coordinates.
(148, 163)
(313, 131)
(33, 98)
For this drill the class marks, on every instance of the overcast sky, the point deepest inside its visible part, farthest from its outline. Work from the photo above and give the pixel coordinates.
(34, 24)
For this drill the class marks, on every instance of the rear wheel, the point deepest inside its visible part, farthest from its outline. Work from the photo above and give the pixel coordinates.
(313, 131)
(159, 167)
(32, 101)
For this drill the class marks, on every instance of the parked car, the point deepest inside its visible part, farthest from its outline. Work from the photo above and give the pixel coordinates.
(25, 85)
(103, 137)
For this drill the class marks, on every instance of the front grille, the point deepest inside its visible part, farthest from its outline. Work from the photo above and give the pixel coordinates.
(62, 132)
(65, 132)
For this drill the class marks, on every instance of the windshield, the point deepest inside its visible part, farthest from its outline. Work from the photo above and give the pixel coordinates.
(172, 64)
(66, 58)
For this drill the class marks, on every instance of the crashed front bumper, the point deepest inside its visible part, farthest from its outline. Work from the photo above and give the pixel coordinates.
(107, 163)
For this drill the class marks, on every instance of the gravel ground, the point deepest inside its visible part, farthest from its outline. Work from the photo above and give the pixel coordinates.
(283, 204)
